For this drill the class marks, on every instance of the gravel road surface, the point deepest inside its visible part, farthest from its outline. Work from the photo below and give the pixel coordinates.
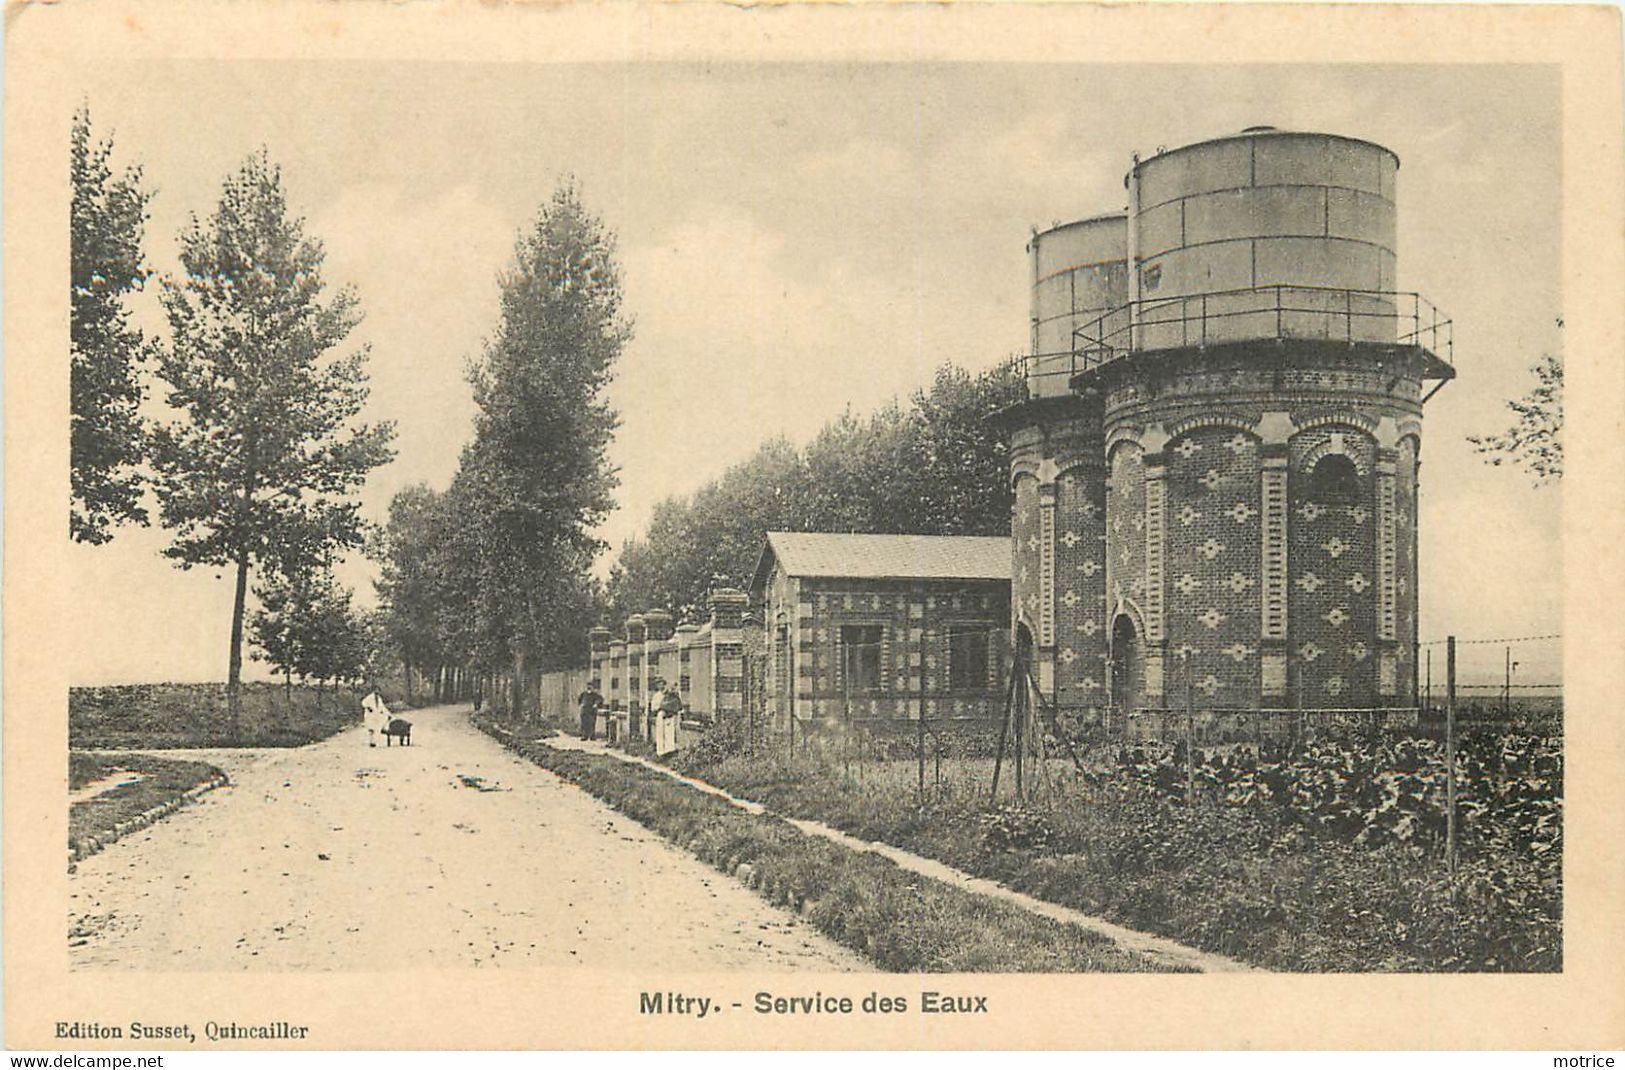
(450, 852)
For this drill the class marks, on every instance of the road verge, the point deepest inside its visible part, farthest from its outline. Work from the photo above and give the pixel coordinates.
(901, 921)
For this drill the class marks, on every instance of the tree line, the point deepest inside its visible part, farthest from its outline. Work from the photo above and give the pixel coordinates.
(256, 454)
(243, 425)
(936, 465)
(488, 582)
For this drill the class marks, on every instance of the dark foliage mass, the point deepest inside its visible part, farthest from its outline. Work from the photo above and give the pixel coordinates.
(935, 467)
(107, 446)
(493, 572)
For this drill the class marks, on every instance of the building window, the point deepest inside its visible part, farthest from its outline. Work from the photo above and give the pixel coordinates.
(1335, 481)
(967, 658)
(860, 655)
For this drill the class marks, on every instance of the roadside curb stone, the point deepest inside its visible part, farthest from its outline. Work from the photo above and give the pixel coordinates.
(86, 846)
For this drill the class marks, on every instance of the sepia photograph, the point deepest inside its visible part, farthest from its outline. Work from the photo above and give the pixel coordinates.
(803, 518)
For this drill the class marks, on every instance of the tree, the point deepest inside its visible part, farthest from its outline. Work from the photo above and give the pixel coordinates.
(408, 583)
(275, 629)
(263, 456)
(107, 221)
(938, 467)
(307, 625)
(537, 475)
(1536, 439)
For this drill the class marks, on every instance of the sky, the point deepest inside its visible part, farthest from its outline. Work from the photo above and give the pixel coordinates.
(800, 238)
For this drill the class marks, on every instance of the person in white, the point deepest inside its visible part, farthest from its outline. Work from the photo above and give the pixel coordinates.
(375, 714)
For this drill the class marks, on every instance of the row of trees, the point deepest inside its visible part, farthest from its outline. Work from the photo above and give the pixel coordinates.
(937, 466)
(493, 573)
(257, 453)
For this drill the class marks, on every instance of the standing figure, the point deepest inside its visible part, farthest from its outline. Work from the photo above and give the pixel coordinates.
(590, 701)
(667, 720)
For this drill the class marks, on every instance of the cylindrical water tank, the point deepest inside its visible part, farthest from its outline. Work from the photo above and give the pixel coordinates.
(1080, 272)
(1263, 234)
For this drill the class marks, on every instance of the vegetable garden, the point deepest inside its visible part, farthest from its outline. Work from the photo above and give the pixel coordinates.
(1309, 854)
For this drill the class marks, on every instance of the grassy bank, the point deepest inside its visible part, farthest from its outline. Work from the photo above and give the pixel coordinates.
(151, 787)
(163, 716)
(903, 922)
(1321, 864)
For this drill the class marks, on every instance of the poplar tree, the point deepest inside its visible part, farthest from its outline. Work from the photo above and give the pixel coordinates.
(537, 472)
(106, 445)
(263, 456)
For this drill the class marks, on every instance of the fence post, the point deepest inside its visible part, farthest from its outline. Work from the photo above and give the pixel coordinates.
(1506, 689)
(1450, 760)
(1429, 692)
(1190, 740)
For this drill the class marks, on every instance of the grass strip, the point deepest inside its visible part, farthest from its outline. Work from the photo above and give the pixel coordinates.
(165, 782)
(902, 922)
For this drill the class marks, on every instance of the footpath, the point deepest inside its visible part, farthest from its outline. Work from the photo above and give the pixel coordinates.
(1157, 948)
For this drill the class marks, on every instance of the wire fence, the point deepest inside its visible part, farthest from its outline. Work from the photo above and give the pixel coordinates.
(868, 720)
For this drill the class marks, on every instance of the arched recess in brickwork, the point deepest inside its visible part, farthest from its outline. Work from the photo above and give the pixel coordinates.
(1023, 467)
(1230, 421)
(1128, 607)
(1075, 464)
(1337, 443)
(1127, 660)
(1333, 647)
(1119, 436)
(1119, 440)
(1309, 421)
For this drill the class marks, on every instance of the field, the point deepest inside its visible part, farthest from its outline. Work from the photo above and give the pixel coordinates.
(165, 716)
(1320, 856)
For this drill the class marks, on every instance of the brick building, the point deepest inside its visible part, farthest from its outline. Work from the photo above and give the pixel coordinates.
(881, 626)
(1216, 469)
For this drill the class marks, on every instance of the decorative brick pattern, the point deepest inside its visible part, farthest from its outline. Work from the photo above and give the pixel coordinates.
(1332, 554)
(1026, 579)
(1126, 569)
(914, 619)
(1156, 533)
(1080, 579)
(1213, 621)
(1387, 552)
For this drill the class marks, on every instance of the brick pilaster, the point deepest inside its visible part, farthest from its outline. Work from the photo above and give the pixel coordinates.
(727, 607)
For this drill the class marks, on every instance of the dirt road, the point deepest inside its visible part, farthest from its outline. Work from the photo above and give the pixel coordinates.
(338, 856)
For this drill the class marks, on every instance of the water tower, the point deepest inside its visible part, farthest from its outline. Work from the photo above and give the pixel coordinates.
(1222, 498)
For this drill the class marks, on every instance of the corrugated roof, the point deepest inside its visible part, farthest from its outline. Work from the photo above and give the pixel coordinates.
(886, 557)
